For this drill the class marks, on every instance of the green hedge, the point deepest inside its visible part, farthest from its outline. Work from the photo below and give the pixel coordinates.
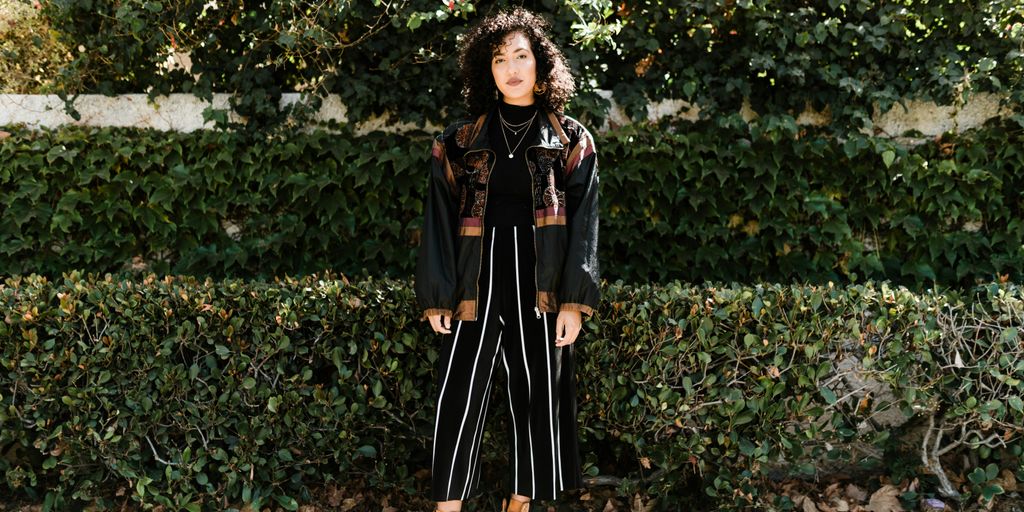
(732, 201)
(210, 394)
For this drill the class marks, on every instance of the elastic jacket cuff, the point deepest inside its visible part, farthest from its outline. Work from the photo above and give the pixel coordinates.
(435, 311)
(582, 308)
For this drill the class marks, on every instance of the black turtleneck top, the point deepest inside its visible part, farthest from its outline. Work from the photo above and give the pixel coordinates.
(510, 191)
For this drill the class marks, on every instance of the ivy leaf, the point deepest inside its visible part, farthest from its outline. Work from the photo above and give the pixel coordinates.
(415, 20)
(986, 64)
(285, 39)
(888, 156)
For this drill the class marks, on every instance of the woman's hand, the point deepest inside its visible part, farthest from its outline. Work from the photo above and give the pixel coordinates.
(567, 327)
(436, 323)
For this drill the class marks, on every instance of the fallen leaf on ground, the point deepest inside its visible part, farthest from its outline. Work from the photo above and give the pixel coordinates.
(832, 490)
(1007, 481)
(640, 506)
(825, 507)
(885, 499)
(856, 493)
(804, 503)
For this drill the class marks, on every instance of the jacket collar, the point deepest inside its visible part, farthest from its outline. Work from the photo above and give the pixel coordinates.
(550, 135)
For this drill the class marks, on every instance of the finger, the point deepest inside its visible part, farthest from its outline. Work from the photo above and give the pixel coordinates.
(435, 323)
(570, 337)
(447, 324)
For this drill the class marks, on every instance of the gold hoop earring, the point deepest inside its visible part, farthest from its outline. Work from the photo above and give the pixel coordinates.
(541, 90)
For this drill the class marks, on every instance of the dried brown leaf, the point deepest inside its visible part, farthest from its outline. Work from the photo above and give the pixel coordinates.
(809, 506)
(639, 505)
(885, 499)
(832, 491)
(825, 507)
(1008, 481)
(856, 493)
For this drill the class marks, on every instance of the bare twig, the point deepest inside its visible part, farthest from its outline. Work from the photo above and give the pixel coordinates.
(157, 457)
(930, 459)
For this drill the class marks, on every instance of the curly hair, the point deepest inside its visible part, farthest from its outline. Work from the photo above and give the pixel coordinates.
(476, 50)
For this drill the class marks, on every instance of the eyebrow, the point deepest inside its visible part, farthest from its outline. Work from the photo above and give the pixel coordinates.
(498, 54)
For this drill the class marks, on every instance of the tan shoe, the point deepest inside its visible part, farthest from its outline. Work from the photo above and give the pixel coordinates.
(510, 505)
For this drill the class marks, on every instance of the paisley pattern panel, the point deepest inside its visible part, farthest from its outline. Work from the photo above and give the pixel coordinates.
(464, 135)
(545, 178)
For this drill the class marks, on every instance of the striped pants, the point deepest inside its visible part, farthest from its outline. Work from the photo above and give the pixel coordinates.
(544, 455)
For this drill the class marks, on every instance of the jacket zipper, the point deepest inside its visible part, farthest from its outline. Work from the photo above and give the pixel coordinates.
(483, 227)
(533, 214)
(533, 217)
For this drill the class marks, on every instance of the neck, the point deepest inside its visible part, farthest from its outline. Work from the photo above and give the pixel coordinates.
(521, 101)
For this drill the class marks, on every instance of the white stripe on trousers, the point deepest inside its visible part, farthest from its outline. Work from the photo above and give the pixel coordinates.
(465, 414)
(477, 434)
(551, 408)
(440, 398)
(477, 472)
(526, 363)
(515, 431)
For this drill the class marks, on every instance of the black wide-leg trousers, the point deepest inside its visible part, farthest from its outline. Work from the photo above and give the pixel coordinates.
(508, 334)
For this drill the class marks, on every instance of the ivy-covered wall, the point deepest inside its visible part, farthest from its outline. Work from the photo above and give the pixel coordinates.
(738, 201)
(841, 55)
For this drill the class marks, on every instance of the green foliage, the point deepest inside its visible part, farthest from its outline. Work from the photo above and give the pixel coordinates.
(208, 203)
(774, 202)
(196, 394)
(981, 482)
(846, 56)
(30, 53)
(781, 203)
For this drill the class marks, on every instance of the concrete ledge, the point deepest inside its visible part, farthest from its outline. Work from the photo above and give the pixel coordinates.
(184, 112)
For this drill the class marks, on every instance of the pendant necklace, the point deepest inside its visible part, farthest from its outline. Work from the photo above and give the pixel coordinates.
(525, 124)
(514, 127)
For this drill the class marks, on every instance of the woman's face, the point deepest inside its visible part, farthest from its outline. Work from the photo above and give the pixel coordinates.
(515, 69)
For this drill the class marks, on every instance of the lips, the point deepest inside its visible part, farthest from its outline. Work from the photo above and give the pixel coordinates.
(514, 81)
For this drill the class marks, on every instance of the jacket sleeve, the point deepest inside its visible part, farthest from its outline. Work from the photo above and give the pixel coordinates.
(435, 262)
(580, 284)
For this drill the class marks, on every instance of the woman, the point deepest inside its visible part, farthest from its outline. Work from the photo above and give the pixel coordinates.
(508, 264)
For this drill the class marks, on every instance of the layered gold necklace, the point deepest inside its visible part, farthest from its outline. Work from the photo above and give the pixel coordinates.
(515, 128)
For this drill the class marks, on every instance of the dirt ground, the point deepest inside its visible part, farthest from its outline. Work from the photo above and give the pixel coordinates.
(875, 495)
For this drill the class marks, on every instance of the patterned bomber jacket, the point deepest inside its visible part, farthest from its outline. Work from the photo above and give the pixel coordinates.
(563, 168)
